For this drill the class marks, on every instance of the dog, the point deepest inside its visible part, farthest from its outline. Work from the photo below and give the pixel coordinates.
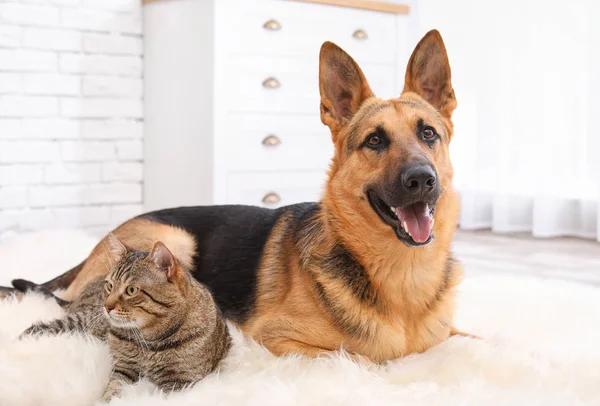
(369, 268)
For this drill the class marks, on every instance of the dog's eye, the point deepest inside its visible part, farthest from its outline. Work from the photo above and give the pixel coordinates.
(429, 133)
(132, 290)
(374, 139)
(377, 140)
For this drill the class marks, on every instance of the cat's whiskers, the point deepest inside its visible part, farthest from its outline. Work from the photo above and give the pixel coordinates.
(93, 322)
(132, 352)
(108, 255)
(103, 263)
(128, 334)
(140, 338)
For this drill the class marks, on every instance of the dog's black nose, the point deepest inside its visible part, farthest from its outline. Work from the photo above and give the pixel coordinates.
(419, 179)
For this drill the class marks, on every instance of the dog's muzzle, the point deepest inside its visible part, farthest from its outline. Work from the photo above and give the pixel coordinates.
(408, 204)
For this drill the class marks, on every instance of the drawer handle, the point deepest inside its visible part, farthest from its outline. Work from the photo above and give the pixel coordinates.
(271, 83)
(272, 25)
(360, 34)
(271, 141)
(271, 198)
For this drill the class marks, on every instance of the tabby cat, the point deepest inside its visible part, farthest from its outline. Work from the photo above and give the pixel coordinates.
(160, 323)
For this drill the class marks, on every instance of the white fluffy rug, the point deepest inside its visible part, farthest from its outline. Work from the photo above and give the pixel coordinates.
(541, 347)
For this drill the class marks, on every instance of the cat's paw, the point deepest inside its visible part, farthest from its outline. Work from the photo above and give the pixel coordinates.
(113, 390)
(109, 395)
(8, 293)
(35, 330)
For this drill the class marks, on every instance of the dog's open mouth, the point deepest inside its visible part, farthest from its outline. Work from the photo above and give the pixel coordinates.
(413, 223)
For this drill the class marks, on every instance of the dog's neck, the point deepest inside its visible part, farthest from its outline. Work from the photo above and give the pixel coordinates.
(396, 270)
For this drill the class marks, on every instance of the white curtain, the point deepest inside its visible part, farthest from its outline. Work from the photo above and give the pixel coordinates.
(526, 149)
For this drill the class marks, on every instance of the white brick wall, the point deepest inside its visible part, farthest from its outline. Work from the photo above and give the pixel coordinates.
(71, 120)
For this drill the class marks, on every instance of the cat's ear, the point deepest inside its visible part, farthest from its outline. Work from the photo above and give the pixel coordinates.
(116, 249)
(163, 259)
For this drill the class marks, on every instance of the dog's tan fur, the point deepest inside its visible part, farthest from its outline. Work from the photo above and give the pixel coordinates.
(410, 315)
(138, 234)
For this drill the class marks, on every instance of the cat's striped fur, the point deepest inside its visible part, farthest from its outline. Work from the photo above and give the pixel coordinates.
(83, 315)
(160, 323)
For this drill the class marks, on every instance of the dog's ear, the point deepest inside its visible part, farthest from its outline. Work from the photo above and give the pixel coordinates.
(428, 74)
(342, 85)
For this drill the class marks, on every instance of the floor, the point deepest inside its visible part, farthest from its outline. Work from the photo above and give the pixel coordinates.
(565, 258)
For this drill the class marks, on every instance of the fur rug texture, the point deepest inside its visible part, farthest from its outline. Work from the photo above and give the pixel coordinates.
(541, 347)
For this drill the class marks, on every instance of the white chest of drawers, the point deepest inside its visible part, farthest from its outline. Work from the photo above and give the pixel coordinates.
(232, 99)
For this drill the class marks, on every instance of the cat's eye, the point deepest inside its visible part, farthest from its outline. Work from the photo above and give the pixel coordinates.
(108, 286)
(132, 290)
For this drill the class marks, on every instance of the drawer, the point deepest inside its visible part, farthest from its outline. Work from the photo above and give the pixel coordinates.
(274, 189)
(289, 28)
(274, 142)
(286, 85)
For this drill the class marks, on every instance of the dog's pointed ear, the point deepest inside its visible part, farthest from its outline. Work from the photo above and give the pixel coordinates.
(342, 85)
(428, 74)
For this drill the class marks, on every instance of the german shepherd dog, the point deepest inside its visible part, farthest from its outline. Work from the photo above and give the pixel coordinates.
(368, 269)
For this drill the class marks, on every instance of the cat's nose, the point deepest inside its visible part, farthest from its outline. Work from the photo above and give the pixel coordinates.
(108, 308)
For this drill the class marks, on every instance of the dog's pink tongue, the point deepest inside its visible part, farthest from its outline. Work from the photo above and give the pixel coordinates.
(417, 219)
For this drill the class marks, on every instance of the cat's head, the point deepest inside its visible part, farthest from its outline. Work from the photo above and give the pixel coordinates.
(143, 289)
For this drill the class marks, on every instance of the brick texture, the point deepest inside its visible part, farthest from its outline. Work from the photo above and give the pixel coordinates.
(71, 118)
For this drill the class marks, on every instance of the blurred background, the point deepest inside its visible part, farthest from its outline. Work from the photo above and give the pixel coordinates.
(109, 108)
